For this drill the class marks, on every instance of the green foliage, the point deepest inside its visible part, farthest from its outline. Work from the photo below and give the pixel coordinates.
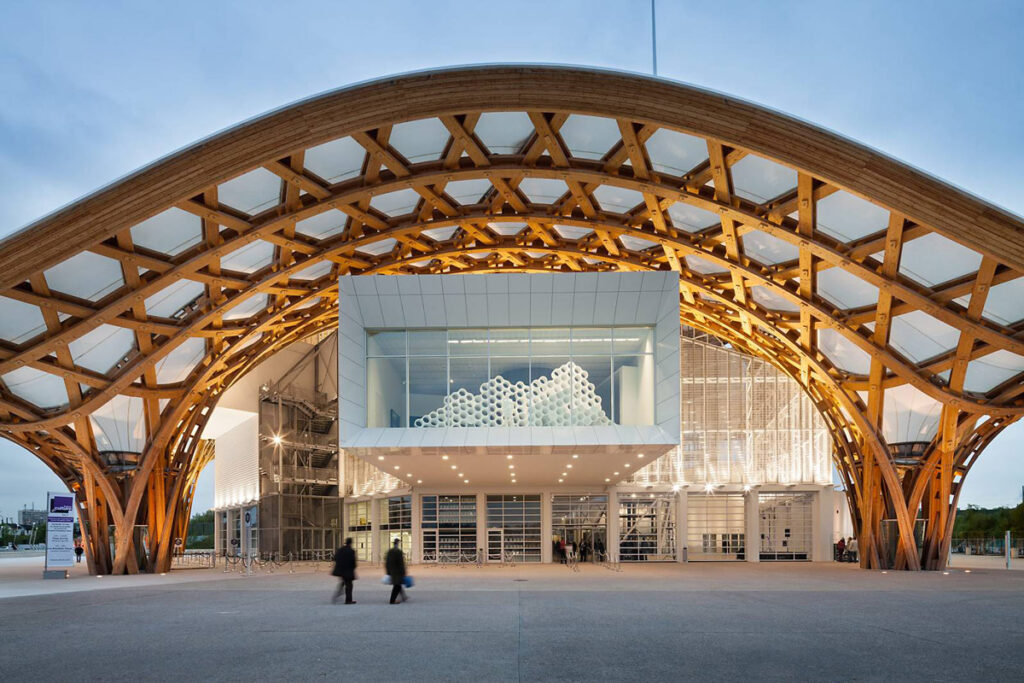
(201, 518)
(976, 522)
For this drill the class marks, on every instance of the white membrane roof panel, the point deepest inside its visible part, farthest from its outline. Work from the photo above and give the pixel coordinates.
(675, 153)
(247, 308)
(336, 160)
(397, 203)
(843, 353)
(173, 298)
(772, 300)
(422, 140)
(102, 348)
(845, 290)
(19, 321)
(252, 193)
(504, 132)
(119, 425)
(251, 258)
(988, 372)
(691, 218)
(176, 366)
(909, 415)
(847, 217)
(589, 137)
(468, 191)
(934, 259)
(170, 232)
(322, 225)
(759, 180)
(617, 199)
(768, 249)
(918, 336)
(37, 387)
(85, 275)
(543, 190)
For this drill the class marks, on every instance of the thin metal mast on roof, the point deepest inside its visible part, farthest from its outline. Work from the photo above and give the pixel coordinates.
(654, 40)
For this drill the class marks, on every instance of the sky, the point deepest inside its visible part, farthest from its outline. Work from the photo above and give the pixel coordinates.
(92, 91)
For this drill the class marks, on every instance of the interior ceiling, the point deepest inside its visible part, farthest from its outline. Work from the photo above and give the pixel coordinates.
(851, 272)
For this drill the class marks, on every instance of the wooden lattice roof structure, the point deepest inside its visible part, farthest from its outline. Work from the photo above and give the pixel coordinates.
(895, 299)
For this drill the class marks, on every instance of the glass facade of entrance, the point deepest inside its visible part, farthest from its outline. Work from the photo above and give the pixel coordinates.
(513, 528)
(647, 527)
(449, 528)
(581, 520)
(716, 526)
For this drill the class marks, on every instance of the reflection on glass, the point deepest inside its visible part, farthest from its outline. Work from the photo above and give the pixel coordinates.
(428, 342)
(467, 342)
(512, 341)
(634, 340)
(592, 390)
(466, 375)
(589, 341)
(549, 341)
(385, 343)
(428, 386)
(551, 398)
(385, 392)
(634, 390)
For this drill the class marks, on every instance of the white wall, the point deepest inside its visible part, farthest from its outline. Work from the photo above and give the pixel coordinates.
(236, 465)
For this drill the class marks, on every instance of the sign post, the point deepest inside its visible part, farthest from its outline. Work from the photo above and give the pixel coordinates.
(60, 534)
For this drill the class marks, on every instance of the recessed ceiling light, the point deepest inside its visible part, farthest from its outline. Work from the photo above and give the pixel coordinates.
(607, 479)
(408, 474)
(632, 495)
(444, 457)
(639, 455)
(559, 481)
(396, 467)
(564, 474)
(454, 467)
(380, 457)
(569, 466)
(513, 481)
(511, 467)
(509, 457)
(615, 473)
(419, 481)
(460, 474)
(627, 464)
(574, 456)
(466, 481)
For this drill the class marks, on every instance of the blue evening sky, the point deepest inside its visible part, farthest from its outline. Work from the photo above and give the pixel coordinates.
(91, 91)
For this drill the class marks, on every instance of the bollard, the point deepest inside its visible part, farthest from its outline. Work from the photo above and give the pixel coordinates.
(1006, 547)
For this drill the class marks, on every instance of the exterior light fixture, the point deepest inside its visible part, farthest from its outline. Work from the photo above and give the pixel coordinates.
(419, 481)
(615, 473)
(454, 467)
(559, 481)
(460, 474)
(396, 467)
(444, 457)
(277, 439)
(513, 481)
(511, 467)
(569, 466)
(466, 481)
(408, 474)
(675, 488)
(564, 474)
(639, 455)
(509, 457)
(575, 456)
(627, 464)
(380, 457)
(709, 487)
(746, 488)
(606, 480)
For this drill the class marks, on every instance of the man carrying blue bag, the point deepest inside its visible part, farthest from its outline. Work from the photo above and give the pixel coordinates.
(394, 564)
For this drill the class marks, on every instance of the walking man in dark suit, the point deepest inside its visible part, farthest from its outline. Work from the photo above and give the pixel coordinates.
(394, 564)
(345, 569)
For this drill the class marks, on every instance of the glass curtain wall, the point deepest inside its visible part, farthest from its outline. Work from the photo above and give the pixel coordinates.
(449, 528)
(716, 526)
(357, 520)
(394, 516)
(743, 422)
(510, 377)
(786, 525)
(513, 528)
(647, 527)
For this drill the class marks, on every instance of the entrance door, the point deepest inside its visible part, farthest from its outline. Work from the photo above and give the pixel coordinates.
(589, 542)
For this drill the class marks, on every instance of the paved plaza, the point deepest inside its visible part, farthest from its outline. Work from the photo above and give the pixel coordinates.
(669, 622)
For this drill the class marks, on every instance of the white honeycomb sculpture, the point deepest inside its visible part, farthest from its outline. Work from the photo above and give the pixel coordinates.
(503, 404)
